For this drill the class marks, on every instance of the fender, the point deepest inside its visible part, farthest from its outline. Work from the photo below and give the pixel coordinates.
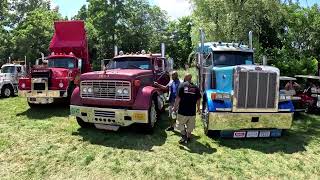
(75, 97)
(144, 97)
(214, 104)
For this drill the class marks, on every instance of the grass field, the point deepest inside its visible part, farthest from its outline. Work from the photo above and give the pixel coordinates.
(47, 144)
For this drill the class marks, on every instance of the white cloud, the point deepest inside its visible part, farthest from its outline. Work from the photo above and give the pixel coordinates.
(175, 8)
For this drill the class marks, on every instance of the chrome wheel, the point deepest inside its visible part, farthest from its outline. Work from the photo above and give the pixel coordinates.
(6, 91)
(205, 119)
(153, 114)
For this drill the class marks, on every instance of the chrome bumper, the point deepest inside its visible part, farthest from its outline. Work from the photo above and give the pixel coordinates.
(238, 121)
(42, 94)
(108, 116)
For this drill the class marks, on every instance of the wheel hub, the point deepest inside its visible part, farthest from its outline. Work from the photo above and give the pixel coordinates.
(7, 92)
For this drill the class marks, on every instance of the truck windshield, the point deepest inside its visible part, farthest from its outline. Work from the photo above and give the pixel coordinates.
(67, 63)
(130, 63)
(8, 69)
(232, 58)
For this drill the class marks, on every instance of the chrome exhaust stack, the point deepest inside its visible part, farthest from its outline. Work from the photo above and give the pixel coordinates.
(250, 40)
(163, 50)
(115, 51)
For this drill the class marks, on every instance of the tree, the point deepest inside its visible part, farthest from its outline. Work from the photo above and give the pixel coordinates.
(32, 36)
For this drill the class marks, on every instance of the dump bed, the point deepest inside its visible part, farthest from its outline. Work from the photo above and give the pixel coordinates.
(70, 36)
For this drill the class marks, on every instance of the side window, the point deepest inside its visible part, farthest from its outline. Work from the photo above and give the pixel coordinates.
(159, 65)
(18, 70)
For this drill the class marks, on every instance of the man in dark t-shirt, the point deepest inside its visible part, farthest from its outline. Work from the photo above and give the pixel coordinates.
(188, 99)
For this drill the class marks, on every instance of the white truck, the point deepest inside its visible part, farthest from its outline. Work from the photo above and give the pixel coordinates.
(9, 76)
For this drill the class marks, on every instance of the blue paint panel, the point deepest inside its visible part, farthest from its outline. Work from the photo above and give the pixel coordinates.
(286, 105)
(224, 78)
(276, 133)
(214, 104)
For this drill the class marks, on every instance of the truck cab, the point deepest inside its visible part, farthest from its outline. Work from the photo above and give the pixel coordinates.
(9, 77)
(241, 99)
(122, 94)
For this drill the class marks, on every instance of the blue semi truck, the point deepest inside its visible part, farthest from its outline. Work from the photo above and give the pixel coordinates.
(240, 99)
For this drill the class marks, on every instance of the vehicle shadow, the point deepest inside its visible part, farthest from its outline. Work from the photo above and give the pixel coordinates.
(42, 112)
(304, 129)
(127, 137)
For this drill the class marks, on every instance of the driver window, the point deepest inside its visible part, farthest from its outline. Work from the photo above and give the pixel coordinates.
(159, 65)
(18, 70)
(70, 65)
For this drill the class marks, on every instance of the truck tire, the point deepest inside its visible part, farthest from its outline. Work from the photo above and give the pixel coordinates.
(83, 124)
(7, 91)
(205, 120)
(152, 119)
(31, 105)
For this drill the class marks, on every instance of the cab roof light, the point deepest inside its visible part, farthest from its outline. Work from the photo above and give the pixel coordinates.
(121, 53)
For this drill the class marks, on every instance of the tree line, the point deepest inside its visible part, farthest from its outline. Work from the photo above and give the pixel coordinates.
(284, 31)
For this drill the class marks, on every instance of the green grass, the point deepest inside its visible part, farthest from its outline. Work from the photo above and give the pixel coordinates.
(47, 144)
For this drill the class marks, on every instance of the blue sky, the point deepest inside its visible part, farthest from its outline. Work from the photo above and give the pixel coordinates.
(70, 7)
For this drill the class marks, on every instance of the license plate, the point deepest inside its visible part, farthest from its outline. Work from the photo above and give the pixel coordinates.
(252, 134)
(74, 111)
(241, 134)
(139, 116)
(264, 134)
(107, 127)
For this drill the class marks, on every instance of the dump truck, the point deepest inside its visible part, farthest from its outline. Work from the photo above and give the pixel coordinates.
(57, 75)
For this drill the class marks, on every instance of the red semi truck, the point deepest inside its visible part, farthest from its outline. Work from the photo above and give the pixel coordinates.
(59, 73)
(123, 94)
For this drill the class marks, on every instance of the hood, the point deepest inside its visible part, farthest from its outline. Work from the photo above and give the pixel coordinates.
(258, 67)
(55, 72)
(224, 78)
(116, 74)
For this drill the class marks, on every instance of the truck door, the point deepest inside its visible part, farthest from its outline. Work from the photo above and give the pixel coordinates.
(161, 75)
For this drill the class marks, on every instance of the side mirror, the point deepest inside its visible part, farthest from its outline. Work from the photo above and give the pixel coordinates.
(80, 64)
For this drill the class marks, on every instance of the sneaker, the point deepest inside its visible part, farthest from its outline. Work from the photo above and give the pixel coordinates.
(171, 128)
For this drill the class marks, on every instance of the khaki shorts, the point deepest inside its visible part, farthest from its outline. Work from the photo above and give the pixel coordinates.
(185, 123)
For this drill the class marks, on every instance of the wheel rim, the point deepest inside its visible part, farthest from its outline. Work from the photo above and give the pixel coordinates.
(7, 92)
(153, 114)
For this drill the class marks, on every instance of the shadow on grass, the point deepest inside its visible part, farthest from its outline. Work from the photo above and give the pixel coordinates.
(196, 147)
(127, 137)
(42, 112)
(304, 129)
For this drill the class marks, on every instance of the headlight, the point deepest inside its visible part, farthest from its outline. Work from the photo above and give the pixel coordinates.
(285, 98)
(125, 91)
(119, 91)
(90, 90)
(84, 89)
(23, 85)
(122, 91)
(220, 96)
(61, 85)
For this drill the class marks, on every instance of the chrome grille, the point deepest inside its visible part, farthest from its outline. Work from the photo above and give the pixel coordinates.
(106, 90)
(256, 90)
